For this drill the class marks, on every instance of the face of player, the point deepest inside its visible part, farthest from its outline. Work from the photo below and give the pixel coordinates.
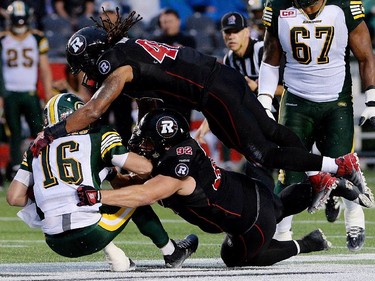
(111, 15)
(169, 24)
(236, 40)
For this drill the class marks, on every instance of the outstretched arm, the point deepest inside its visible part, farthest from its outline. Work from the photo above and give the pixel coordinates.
(100, 101)
(80, 119)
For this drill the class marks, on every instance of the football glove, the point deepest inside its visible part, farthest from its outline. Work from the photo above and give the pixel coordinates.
(266, 101)
(88, 195)
(369, 112)
(47, 136)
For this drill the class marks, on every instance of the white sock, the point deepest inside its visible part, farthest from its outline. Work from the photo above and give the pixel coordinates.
(285, 224)
(298, 247)
(168, 249)
(329, 165)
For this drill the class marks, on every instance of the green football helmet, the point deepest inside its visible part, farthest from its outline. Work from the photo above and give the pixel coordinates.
(60, 107)
(20, 16)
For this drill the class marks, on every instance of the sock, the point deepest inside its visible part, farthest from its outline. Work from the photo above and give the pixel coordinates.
(298, 247)
(329, 165)
(168, 249)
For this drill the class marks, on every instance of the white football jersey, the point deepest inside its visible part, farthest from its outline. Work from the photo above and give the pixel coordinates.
(21, 60)
(64, 165)
(317, 52)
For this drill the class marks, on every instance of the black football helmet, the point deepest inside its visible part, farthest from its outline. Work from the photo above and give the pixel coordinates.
(157, 131)
(84, 48)
(20, 16)
(305, 3)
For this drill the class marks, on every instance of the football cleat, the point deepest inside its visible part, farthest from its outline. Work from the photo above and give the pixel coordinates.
(349, 168)
(355, 238)
(322, 186)
(183, 249)
(315, 241)
(332, 209)
(349, 191)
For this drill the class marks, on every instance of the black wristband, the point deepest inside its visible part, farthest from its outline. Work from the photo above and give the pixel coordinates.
(57, 131)
(370, 87)
(111, 175)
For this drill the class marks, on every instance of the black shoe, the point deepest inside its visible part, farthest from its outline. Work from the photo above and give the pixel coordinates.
(183, 249)
(355, 238)
(314, 241)
(332, 208)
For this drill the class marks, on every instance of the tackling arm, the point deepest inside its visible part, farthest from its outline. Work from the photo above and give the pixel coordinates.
(155, 189)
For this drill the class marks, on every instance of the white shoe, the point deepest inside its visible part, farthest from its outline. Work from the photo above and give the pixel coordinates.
(283, 236)
(117, 259)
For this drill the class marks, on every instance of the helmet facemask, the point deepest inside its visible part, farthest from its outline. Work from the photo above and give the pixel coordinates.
(305, 3)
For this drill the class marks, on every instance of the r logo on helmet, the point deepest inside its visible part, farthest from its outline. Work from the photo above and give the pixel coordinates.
(166, 127)
(77, 45)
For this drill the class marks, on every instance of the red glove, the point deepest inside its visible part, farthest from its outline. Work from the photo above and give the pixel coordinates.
(41, 141)
(47, 136)
(88, 195)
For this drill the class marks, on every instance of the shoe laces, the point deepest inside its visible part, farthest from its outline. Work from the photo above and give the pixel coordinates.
(355, 231)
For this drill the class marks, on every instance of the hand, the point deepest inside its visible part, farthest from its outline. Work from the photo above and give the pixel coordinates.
(41, 141)
(202, 131)
(88, 195)
(369, 112)
(266, 101)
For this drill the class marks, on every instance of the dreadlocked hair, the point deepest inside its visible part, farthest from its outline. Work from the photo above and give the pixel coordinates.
(116, 31)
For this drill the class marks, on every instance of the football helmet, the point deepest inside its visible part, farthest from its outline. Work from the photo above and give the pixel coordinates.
(157, 131)
(305, 3)
(84, 48)
(59, 107)
(19, 16)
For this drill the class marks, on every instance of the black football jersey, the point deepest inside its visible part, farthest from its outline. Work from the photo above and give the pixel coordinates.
(220, 201)
(180, 72)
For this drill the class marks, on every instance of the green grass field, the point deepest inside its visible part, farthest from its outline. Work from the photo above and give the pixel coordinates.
(19, 243)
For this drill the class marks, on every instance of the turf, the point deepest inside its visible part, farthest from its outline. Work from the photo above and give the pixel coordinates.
(20, 244)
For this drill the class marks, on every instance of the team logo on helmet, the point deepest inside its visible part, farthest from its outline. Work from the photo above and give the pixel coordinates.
(182, 170)
(77, 45)
(166, 127)
(104, 66)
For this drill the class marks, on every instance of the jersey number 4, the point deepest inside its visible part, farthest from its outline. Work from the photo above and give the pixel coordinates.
(302, 52)
(157, 50)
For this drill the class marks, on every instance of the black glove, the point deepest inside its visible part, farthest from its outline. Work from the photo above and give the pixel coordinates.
(88, 195)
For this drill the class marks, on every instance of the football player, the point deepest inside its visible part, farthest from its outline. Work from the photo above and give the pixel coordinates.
(24, 59)
(186, 180)
(317, 36)
(87, 158)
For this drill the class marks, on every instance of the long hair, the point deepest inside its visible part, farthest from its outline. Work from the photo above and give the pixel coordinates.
(116, 31)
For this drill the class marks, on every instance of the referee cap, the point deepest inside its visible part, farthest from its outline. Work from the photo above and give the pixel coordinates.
(233, 20)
